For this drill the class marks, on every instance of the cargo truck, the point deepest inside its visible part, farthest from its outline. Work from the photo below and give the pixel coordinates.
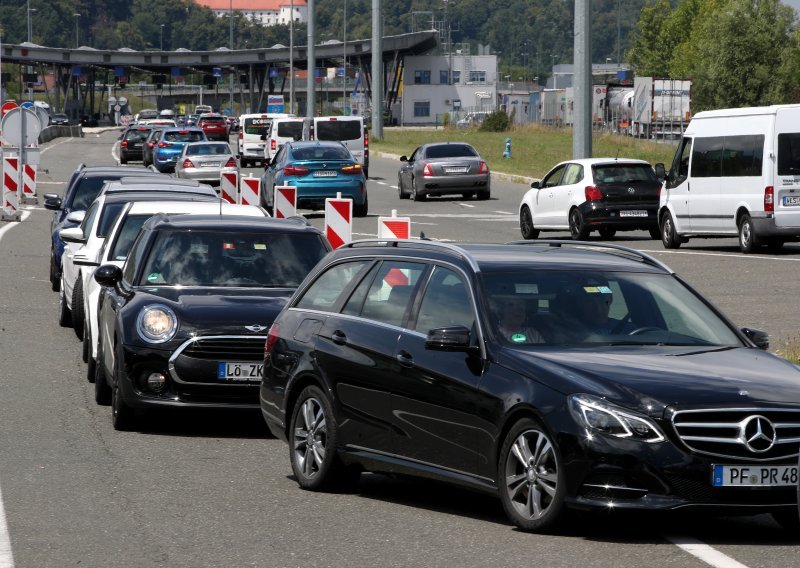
(661, 107)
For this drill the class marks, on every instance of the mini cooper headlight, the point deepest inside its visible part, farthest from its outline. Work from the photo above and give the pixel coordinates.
(157, 324)
(597, 414)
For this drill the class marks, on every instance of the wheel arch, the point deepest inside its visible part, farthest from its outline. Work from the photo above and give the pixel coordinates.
(513, 416)
(741, 211)
(293, 393)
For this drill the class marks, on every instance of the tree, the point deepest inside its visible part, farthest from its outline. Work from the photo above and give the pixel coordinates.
(649, 55)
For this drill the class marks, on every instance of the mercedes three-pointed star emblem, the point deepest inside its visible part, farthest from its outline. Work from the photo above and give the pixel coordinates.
(758, 434)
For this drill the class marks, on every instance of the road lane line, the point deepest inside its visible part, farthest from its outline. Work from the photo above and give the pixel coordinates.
(466, 205)
(381, 183)
(51, 146)
(724, 255)
(12, 224)
(704, 552)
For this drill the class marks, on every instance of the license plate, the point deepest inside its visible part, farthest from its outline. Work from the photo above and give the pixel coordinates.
(324, 174)
(634, 213)
(461, 170)
(209, 165)
(754, 475)
(791, 200)
(240, 371)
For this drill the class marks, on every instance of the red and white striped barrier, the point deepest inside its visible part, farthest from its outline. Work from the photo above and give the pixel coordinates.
(10, 185)
(338, 221)
(394, 227)
(29, 182)
(250, 190)
(285, 201)
(229, 186)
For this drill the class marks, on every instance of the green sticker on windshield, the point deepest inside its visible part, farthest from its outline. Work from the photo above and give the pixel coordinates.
(154, 277)
(518, 338)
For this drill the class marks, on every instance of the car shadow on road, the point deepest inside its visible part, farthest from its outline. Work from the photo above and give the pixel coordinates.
(204, 423)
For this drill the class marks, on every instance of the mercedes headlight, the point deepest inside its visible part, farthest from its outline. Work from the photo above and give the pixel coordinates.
(599, 415)
(157, 324)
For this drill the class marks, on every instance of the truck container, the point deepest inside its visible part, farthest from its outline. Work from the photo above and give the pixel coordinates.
(661, 107)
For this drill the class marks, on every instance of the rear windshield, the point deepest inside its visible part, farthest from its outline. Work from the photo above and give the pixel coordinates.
(293, 129)
(451, 151)
(208, 150)
(321, 153)
(788, 154)
(256, 126)
(137, 135)
(188, 136)
(338, 130)
(212, 258)
(623, 173)
(147, 113)
(212, 120)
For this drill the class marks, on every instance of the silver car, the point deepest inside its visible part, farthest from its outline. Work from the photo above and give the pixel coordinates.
(443, 168)
(204, 161)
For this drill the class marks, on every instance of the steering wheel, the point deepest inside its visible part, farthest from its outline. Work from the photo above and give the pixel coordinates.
(639, 330)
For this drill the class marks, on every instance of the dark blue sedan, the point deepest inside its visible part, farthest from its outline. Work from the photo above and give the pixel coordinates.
(171, 145)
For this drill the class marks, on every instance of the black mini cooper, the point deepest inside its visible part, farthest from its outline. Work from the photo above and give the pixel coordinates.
(554, 374)
(184, 322)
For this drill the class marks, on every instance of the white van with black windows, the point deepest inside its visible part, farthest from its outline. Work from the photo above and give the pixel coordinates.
(350, 131)
(736, 172)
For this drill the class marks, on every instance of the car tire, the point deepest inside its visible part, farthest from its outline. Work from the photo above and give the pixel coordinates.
(748, 240)
(362, 209)
(123, 161)
(102, 390)
(123, 417)
(655, 233)
(484, 195)
(577, 226)
(415, 196)
(85, 342)
(607, 232)
(401, 194)
(78, 316)
(55, 277)
(531, 478)
(669, 238)
(317, 468)
(526, 224)
(64, 313)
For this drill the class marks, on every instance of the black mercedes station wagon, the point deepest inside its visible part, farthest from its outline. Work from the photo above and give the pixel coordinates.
(554, 374)
(184, 322)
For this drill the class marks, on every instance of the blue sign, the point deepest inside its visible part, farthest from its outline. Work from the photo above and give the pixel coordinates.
(175, 71)
(119, 72)
(76, 71)
(273, 72)
(216, 71)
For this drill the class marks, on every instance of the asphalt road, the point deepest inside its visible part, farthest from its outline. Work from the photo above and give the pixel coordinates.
(212, 489)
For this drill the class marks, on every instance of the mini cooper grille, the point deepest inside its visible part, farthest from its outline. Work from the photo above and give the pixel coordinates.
(227, 349)
(751, 434)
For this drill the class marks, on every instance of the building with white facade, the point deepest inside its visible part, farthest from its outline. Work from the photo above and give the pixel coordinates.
(456, 84)
(265, 12)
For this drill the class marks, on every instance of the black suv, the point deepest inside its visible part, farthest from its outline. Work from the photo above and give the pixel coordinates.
(131, 143)
(554, 374)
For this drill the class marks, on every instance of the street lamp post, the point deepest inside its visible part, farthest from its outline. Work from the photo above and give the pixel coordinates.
(77, 18)
(30, 37)
(162, 37)
(344, 61)
(291, 57)
(233, 69)
(555, 77)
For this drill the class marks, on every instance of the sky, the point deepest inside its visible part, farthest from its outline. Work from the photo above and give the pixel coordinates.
(793, 3)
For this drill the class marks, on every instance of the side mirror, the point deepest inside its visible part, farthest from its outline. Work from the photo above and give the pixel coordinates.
(76, 217)
(108, 275)
(403, 158)
(453, 338)
(52, 201)
(536, 184)
(759, 338)
(72, 235)
(661, 173)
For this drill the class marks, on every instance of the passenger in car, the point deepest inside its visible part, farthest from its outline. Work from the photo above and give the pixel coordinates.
(512, 321)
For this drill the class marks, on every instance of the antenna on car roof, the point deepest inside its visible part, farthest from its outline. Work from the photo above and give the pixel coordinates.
(422, 236)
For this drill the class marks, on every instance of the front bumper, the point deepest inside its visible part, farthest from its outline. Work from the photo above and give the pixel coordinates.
(191, 370)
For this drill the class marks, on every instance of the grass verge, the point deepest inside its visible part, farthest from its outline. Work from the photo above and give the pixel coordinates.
(790, 349)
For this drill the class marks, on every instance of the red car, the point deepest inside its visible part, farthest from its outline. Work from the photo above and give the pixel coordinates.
(214, 125)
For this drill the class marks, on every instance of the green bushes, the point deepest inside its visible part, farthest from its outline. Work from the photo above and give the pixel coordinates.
(495, 122)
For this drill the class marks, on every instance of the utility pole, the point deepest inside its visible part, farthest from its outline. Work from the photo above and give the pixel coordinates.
(582, 127)
(311, 63)
(233, 69)
(344, 61)
(291, 58)
(377, 71)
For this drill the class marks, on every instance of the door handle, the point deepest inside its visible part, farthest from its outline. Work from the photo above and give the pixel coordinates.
(339, 338)
(405, 359)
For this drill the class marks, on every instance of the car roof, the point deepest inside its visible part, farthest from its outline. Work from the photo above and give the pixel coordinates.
(232, 222)
(604, 161)
(164, 195)
(204, 208)
(520, 255)
(320, 143)
(207, 142)
(158, 185)
(183, 129)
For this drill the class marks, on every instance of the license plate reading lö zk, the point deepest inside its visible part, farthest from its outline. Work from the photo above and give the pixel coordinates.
(240, 371)
(754, 475)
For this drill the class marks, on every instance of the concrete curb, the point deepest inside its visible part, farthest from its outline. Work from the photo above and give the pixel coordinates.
(524, 180)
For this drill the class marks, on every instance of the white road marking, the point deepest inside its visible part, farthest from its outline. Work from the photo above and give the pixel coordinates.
(381, 183)
(466, 205)
(456, 215)
(504, 213)
(43, 150)
(738, 256)
(393, 186)
(704, 552)
(49, 182)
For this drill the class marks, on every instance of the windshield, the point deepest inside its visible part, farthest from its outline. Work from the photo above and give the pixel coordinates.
(108, 216)
(623, 173)
(126, 234)
(88, 189)
(451, 151)
(588, 308)
(226, 259)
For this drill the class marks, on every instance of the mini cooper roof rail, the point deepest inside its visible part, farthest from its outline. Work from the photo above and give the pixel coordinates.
(416, 244)
(613, 249)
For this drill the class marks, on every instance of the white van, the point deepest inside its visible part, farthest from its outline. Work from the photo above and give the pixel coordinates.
(736, 172)
(285, 130)
(253, 132)
(350, 131)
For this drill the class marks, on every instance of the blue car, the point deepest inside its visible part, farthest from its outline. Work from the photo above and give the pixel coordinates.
(318, 170)
(171, 144)
(83, 187)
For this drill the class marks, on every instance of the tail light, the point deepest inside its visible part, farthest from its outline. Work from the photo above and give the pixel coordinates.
(187, 163)
(272, 339)
(124, 144)
(769, 199)
(484, 169)
(273, 144)
(427, 171)
(241, 135)
(294, 171)
(231, 163)
(593, 194)
(351, 169)
(151, 144)
(366, 139)
(164, 144)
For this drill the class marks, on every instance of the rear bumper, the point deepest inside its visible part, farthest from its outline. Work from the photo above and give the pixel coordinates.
(441, 185)
(765, 226)
(619, 216)
(209, 176)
